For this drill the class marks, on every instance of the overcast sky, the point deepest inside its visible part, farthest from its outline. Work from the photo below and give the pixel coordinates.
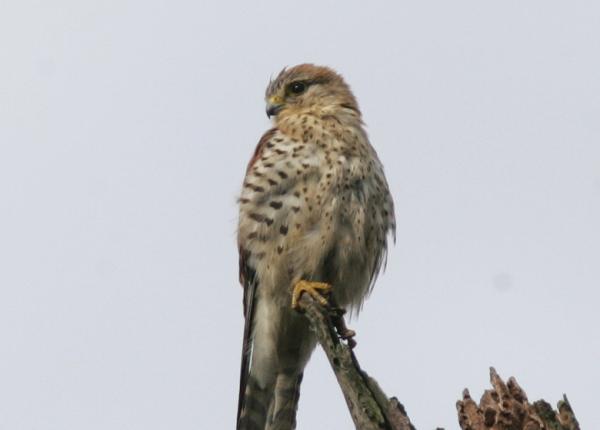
(125, 129)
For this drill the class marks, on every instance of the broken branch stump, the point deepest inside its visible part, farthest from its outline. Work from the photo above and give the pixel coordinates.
(505, 407)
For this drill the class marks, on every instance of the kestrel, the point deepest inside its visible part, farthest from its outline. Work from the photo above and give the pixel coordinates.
(315, 213)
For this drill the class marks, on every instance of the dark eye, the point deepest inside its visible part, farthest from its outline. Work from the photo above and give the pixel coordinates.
(297, 87)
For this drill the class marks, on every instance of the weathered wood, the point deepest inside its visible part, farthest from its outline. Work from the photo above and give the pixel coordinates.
(504, 407)
(369, 407)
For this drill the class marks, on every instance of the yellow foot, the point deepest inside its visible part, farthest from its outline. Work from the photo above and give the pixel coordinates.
(316, 290)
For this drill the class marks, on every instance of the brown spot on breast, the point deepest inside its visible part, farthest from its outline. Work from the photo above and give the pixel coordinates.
(276, 205)
(283, 229)
(256, 217)
(253, 187)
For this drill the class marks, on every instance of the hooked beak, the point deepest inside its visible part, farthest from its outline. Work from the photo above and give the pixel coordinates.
(274, 106)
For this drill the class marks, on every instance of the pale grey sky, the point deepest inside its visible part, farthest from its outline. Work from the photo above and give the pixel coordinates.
(125, 128)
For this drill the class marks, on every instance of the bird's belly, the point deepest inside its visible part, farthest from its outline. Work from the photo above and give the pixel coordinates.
(346, 269)
(343, 263)
(319, 236)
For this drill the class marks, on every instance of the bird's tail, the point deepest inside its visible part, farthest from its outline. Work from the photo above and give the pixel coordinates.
(271, 407)
(254, 405)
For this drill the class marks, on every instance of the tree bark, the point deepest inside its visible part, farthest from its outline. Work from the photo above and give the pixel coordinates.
(504, 407)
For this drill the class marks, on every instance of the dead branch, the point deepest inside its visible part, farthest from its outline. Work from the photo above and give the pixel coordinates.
(369, 407)
(504, 407)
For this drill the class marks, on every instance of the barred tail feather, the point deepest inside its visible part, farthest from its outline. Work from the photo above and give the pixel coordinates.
(256, 402)
(285, 402)
(272, 407)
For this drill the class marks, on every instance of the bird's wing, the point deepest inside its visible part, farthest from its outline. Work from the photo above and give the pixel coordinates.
(249, 282)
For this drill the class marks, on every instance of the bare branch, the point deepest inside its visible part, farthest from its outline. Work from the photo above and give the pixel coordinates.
(369, 407)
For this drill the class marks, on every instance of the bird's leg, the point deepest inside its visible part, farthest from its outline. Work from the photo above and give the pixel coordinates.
(317, 290)
(337, 318)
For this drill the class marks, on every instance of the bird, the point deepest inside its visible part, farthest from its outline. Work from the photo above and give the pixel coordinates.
(315, 216)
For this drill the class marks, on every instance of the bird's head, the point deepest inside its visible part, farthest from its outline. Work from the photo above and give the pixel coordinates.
(307, 88)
